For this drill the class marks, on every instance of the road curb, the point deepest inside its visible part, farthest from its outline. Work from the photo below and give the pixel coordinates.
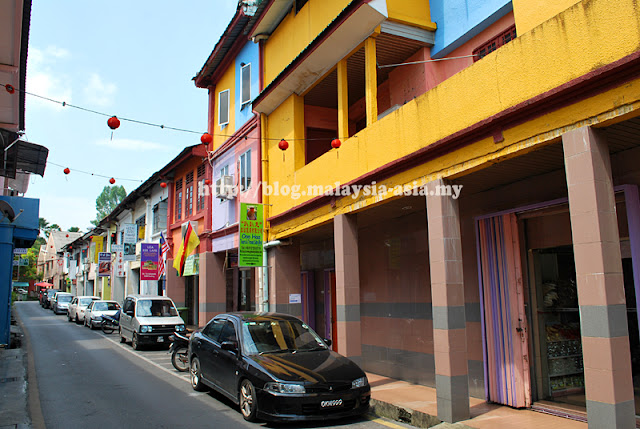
(411, 417)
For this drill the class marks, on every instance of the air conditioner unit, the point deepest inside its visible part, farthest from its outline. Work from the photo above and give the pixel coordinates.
(224, 188)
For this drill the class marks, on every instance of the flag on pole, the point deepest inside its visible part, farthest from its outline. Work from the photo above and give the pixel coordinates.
(189, 243)
(164, 249)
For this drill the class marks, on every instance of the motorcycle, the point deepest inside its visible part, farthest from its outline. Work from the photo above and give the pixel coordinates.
(179, 351)
(110, 323)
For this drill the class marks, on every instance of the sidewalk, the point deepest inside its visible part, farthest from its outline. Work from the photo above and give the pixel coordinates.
(13, 385)
(416, 405)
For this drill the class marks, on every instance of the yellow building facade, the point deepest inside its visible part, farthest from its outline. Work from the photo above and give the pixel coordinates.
(448, 210)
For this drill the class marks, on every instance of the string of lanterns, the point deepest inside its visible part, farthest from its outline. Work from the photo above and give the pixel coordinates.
(114, 123)
(112, 180)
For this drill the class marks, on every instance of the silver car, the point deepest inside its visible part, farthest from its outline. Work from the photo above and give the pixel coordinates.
(60, 302)
(78, 307)
(96, 309)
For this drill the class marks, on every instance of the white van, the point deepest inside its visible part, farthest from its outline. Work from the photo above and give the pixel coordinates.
(149, 319)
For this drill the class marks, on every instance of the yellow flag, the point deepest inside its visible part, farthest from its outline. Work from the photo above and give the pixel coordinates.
(189, 243)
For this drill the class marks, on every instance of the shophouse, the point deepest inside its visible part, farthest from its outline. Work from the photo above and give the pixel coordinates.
(461, 207)
(55, 258)
(185, 174)
(231, 75)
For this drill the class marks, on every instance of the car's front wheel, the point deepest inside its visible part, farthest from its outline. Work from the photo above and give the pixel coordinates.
(196, 375)
(247, 400)
(134, 342)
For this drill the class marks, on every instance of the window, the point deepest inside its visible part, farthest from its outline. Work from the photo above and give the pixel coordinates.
(188, 194)
(245, 84)
(160, 216)
(224, 171)
(495, 43)
(228, 333)
(201, 188)
(223, 107)
(177, 213)
(245, 170)
(212, 330)
(141, 222)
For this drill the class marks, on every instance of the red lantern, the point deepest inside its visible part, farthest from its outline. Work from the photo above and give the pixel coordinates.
(113, 122)
(163, 185)
(10, 89)
(66, 171)
(207, 181)
(112, 180)
(67, 235)
(336, 143)
(206, 138)
(91, 237)
(283, 144)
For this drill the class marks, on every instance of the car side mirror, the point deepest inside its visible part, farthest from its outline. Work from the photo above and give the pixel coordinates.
(230, 346)
(327, 342)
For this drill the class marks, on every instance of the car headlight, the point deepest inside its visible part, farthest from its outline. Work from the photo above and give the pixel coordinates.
(145, 328)
(179, 328)
(286, 388)
(359, 382)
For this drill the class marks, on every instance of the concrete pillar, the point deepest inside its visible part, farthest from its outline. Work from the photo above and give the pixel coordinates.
(603, 313)
(371, 80)
(345, 236)
(284, 278)
(447, 296)
(212, 288)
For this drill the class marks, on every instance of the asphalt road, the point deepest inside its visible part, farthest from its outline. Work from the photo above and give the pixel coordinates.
(88, 379)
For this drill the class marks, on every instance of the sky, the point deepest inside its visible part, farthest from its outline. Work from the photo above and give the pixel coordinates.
(133, 59)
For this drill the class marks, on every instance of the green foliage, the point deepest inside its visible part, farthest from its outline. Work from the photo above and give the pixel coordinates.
(30, 272)
(108, 200)
(46, 228)
(74, 229)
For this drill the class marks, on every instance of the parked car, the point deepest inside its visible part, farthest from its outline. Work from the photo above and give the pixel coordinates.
(48, 296)
(78, 306)
(276, 368)
(61, 302)
(149, 319)
(96, 309)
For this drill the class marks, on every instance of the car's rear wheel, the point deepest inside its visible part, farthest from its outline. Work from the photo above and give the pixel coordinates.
(196, 375)
(247, 400)
(135, 342)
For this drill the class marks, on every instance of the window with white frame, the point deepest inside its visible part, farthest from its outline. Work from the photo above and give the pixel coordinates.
(245, 84)
(224, 171)
(245, 170)
(223, 107)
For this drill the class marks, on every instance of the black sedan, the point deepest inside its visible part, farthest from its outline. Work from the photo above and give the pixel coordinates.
(276, 368)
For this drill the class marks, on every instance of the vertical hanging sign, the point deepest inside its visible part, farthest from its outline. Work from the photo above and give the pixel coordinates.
(130, 239)
(97, 240)
(251, 235)
(104, 264)
(149, 256)
(118, 265)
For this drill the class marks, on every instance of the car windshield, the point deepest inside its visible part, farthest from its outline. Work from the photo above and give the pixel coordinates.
(272, 336)
(65, 298)
(105, 306)
(156, 308)
(85, 301)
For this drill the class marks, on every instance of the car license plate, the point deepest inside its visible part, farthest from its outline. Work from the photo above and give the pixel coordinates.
(161, 339)
(333, 403)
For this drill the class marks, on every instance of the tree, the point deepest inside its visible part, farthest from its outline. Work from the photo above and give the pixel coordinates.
(107, 201)
(46, 228)
(74, 229)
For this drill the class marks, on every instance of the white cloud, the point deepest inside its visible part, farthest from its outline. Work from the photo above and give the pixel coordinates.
(132, 145)
(99, 93)
(42, 80)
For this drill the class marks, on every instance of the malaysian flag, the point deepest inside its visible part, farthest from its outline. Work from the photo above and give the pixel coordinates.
(164, 249)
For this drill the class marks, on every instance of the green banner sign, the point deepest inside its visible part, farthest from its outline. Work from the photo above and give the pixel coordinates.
(251, 235)
(192, 265)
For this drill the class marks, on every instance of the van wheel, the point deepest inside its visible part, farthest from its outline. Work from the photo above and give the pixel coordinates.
(134, 342)
(122, 339)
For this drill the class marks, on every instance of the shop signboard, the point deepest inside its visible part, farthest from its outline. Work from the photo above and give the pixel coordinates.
(192, 265)
(104, 264)
(149, 256)
(118, 265)
(251, 235)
